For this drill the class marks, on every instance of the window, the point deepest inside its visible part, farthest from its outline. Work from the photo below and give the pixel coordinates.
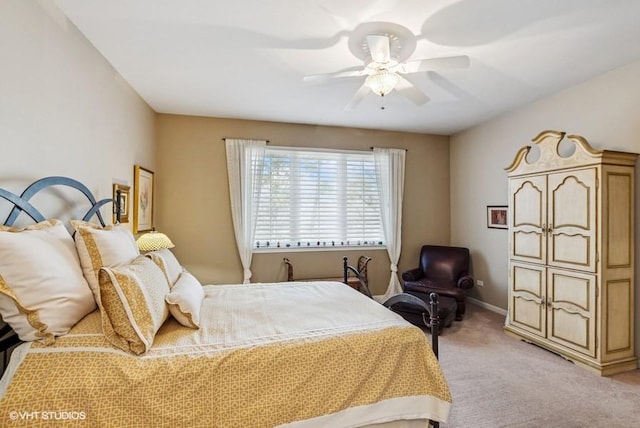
(317, 198)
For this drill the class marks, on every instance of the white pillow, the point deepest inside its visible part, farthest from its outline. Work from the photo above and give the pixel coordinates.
(185, 300)
(42, 290)
(132, 304)
(99, 247)
(168, 263)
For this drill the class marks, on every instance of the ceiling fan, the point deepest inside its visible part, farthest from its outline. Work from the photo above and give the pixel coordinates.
(383, 71)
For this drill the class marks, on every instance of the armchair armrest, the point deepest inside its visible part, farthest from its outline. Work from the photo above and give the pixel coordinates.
(465, 282)
(412, 275)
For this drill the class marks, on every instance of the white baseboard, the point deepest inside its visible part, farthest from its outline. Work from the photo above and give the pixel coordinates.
(487, 306)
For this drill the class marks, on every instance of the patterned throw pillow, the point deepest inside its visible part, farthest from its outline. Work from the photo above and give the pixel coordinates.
(168, 263)
(185, 300)
(99, 247)
(132, 304)
(42, 290)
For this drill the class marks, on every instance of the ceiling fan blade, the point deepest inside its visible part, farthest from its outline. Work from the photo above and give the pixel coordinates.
(419, 65)
(362, 92)
(409, 90)
(379, 48)
(337, 75)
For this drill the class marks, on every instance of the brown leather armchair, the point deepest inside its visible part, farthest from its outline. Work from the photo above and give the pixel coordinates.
(442, 270)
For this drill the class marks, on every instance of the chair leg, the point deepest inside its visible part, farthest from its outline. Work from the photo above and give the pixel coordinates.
(462, 308)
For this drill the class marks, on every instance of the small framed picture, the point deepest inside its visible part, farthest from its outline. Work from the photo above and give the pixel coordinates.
(143, 188)
(497, 217)
(121, 194)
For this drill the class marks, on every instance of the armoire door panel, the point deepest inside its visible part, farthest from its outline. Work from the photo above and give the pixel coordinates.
(527, 293)
(529, 279)
(571, 236)
(571, 200)
(528, 201)
(528, 315)
(527, 215)
(528, 245)
(572, 308)
(574, 250)
(572, 289)
(572, 330)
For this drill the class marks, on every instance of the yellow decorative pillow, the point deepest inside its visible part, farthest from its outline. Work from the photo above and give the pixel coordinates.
(132, 304)
(185, 300)
(99, 247)
(42, 291)
(168, 263)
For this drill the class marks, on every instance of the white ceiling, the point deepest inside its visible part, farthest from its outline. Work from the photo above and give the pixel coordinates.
(247, 58)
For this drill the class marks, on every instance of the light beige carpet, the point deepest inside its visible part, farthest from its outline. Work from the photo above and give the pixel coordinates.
(499, 381)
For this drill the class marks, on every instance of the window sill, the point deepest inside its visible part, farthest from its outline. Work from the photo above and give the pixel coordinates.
(318, 248)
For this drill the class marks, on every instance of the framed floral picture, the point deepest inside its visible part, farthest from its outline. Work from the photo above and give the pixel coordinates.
(497, 216)
(121, 194)
(143, 189)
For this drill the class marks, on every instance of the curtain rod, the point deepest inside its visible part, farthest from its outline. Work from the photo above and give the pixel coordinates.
(371, 148)
(225, 139)
(235, 138)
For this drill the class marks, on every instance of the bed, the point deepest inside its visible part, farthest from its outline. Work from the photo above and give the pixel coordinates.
(309, 354)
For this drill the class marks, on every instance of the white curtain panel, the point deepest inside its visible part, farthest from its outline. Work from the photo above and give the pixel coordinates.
(244, 162)
(390, 173)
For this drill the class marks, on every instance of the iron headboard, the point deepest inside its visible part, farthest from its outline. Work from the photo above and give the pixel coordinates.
(21, 204)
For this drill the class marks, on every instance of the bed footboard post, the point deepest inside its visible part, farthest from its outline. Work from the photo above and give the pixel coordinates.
(434, 322)
(345, 269)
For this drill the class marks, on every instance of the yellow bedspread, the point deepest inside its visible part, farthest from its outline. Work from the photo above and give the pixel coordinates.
(306, 354)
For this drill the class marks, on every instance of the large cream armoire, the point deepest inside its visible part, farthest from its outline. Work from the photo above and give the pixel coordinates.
(571, 252)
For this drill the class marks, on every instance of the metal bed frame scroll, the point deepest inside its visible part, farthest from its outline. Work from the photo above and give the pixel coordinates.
(21, 204)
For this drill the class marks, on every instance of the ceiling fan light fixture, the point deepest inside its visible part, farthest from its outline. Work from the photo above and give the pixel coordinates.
(382, 81)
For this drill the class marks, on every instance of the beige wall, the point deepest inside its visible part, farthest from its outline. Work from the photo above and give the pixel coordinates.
(193, 196)
(604, 110)
(63, 109)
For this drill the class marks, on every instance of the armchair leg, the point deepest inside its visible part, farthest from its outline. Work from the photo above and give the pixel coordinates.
(462, 308)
